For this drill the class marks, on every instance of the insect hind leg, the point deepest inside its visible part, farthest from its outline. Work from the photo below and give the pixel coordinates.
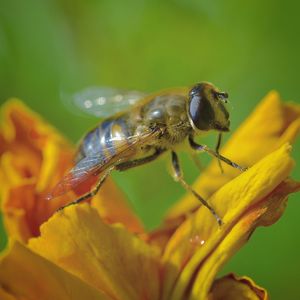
(93, 192)
(178, 176)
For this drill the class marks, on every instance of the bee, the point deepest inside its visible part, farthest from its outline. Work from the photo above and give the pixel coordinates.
(142, 128)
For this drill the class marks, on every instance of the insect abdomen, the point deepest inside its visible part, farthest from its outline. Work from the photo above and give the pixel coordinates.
(105, 140)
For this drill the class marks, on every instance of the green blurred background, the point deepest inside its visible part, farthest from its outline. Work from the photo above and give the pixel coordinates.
(245, 47)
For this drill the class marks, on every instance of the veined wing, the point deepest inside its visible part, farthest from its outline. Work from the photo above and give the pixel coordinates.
(84, 171)
(89, 168)
(103, 101)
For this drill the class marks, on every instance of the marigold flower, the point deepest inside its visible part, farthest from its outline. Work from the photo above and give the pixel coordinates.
(100, 251)
(34, 158)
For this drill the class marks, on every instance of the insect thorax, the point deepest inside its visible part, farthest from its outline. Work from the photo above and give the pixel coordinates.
(168, 112)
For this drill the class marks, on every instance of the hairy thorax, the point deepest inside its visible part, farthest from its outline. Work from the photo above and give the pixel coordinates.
(169, 115)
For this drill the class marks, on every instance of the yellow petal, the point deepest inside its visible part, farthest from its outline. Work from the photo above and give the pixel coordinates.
(107, 257)
(231, 287)
(27, 276)
(272, 124)
(198, 239)
(263, 214)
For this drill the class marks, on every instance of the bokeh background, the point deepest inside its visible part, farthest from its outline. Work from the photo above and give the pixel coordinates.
(48, 48)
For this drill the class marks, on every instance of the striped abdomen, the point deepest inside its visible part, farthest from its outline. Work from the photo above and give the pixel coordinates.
(105, 140)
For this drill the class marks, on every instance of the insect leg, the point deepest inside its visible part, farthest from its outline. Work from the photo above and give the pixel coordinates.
(197, 161)
(211, 152)
(93, 192)
(217, 151)
(138, 162)
(178, 176)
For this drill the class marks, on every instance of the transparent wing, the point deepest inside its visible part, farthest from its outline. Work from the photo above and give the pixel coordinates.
(84, 171)
(89, 168)
(103, 101)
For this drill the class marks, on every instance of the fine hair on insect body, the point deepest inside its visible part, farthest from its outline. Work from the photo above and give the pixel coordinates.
(136, 129)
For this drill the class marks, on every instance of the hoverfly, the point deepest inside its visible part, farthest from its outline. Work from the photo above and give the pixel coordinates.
(142, 128)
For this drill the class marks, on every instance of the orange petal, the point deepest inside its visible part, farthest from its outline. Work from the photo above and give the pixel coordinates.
(33, 159)
(5, 295)
(241, 203)
(272, 124)
(31, 151)
(25, 275)
(107, 257)
(231, 287)
(113, 208)
(30, 140)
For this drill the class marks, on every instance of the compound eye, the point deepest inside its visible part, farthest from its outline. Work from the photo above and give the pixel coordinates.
(200, 110)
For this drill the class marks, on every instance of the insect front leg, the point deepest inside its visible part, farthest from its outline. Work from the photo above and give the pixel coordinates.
(217, 151)
(178, 176)
(211, 152)
(93, 192)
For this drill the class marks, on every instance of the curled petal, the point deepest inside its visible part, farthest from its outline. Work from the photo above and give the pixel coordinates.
(254, 198)
(231, 287)
(107, 257)
(26, 275)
